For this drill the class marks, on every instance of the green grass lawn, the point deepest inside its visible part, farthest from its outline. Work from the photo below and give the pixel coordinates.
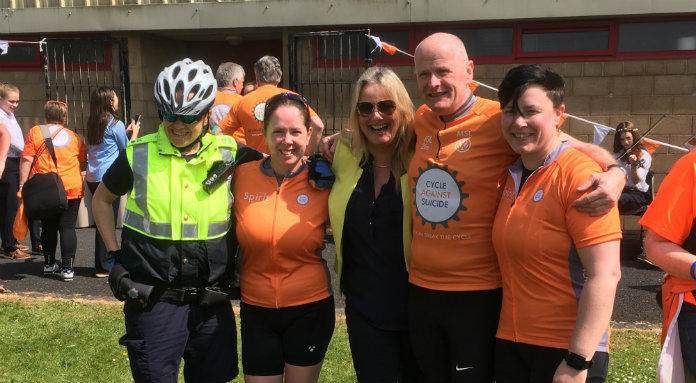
(68, 341)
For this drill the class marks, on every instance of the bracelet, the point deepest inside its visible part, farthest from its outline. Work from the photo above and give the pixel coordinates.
(693, 266)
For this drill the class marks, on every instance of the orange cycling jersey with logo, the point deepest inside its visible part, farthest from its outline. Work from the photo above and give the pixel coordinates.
(671, 215)
(280, 231)
(70, 153)
(225, 99)
(454, 179)
(536, 234)
(248, 115)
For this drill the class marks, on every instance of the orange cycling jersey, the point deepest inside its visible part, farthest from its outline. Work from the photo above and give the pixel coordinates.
(536, 234)
(671, 215)
(70, 152)
(225, 100)
(248, 115)
(281, 232)
(454, 180)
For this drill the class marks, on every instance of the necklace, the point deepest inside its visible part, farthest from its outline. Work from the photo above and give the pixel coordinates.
(381, 166)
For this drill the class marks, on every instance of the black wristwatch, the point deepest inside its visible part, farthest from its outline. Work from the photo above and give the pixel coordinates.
(576, 361)
(113, 254)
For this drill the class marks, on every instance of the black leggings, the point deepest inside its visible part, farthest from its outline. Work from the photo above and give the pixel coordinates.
(453, 333)
(380, 355)
(9, 185)
(101, 263)
(65, 224)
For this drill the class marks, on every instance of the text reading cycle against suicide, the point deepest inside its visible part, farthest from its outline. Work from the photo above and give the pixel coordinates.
(438, 195)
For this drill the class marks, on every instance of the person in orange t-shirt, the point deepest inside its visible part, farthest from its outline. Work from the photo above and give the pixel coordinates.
(71, 159)
(287, 307)
(559, 267)
(248, 113)
(230, 79)
(671, 245)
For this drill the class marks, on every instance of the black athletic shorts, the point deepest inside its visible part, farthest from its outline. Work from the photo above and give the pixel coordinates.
(453, 333)
(297, 335)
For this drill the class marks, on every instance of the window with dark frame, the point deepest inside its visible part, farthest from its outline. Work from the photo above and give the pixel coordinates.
(484, 41)
(72, 53)
(567, 41)
(657, 36)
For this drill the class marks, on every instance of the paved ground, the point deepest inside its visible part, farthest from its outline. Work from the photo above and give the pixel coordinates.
(635, 303)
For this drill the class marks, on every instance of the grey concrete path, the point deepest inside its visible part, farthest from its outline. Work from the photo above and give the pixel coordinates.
(635, 303)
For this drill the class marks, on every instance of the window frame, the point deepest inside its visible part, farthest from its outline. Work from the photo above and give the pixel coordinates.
(38, 64)
(557, 27)
(419, 32)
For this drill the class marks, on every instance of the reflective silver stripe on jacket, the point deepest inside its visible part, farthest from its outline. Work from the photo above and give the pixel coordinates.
(164, 230)
(140, 223)
(140, 153)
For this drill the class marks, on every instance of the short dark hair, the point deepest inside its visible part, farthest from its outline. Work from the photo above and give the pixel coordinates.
(521, 77)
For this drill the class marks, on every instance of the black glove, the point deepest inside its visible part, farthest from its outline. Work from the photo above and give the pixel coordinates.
(320, 172)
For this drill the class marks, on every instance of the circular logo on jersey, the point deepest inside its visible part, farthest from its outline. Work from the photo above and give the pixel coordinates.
(538, 195)
(62, 139)
(302, 199)
(259, 109)
(438, 195)
(463, 145)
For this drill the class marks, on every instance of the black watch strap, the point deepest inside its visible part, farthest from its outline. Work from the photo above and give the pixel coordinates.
(113, 254)
(576, 361)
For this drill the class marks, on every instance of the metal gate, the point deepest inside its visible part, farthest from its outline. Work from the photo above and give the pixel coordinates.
(324, 67)
(73, 67)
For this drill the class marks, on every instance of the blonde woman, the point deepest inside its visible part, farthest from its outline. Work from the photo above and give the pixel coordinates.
(369, 208)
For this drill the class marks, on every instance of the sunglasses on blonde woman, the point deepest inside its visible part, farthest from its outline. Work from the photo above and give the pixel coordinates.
(57, 102)
(385, 107)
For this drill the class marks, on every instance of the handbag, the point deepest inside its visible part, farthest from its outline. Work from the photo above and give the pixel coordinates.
(44, 193)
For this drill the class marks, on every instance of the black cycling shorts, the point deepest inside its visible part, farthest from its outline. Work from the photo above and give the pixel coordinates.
(297, 335)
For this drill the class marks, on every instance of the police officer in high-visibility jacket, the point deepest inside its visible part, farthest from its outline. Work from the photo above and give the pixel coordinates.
(174, 265)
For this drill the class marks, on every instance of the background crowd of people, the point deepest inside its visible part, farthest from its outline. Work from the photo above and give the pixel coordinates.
(475, 241)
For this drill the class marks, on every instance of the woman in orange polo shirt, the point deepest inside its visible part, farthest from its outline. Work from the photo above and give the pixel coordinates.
(559, 267)
(71, 160)
(287, 307)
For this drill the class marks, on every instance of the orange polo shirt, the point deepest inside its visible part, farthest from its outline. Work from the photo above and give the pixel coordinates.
(70, 152)
(280, 230)
(248, 115)
(536, 234)
(454, 180)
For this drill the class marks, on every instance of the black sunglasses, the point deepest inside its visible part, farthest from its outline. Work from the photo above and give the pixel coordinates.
(383, 107)
(287, 96)
(187, 120)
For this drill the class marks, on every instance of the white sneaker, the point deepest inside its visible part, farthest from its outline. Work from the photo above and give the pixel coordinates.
(67, 274)
(50, 269)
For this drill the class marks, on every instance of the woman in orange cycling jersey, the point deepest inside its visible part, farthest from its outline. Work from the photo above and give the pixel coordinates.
(287, 307)
(559, 266)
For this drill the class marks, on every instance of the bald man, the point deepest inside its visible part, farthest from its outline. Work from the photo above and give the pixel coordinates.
(460, 156)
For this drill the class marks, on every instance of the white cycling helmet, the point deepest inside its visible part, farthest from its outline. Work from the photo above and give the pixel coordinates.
(185, 77)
